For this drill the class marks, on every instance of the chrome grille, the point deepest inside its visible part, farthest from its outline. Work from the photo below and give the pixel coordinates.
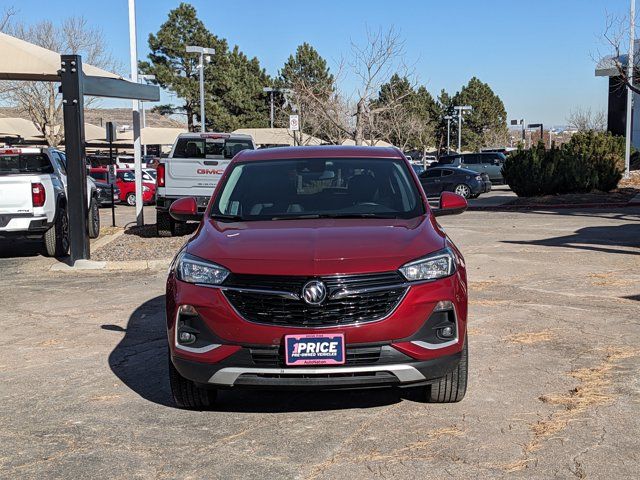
(351, 299)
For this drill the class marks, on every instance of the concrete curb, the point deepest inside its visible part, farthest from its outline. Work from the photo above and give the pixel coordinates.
(101, 242)
(128, 265)
(553, 207)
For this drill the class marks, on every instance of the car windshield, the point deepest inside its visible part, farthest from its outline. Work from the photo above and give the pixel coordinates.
(318, 188)
(25, 163)
(127, 176)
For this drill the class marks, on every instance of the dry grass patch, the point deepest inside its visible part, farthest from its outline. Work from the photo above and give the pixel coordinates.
(608, 279)
(592, 391)
(530, 338)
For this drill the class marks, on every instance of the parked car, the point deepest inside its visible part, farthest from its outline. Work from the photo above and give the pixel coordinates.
(104, 193)
(317, 267)
(485, 162)
(194, 167)
(125, 180)
(417, 168)
(33, 198)
(466, 183)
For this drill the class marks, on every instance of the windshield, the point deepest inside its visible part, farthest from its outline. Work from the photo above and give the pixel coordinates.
(318, 188)
(25, 163)
(126, 176)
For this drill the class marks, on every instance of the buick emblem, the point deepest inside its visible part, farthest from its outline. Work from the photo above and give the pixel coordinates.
(314, 292)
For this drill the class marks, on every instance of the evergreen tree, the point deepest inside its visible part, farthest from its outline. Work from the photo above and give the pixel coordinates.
(487, 122)
(173, 67)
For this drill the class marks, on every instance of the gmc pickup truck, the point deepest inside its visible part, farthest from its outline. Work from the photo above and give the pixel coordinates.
(193, 169)
(33, 198)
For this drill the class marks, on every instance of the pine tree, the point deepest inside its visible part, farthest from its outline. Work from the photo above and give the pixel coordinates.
(487, 122)
(173, 67)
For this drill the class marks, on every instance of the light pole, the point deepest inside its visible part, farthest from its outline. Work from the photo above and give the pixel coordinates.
(137, 160)
(202, 51)
(146, 78)
(271, 91)
(460, 109)
(448, 118)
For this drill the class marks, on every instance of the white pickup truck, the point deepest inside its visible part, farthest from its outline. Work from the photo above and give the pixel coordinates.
(33, 198)
(193, 169)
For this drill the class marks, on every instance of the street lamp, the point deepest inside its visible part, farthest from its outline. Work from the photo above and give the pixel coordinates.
(540, 126)
(271, 91)
(448, 118)
(520, 122)
(460, 109)
(202, 51)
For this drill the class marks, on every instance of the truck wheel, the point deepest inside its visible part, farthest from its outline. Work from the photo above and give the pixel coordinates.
(165, 225)
(131, 199)
(56, 239)
(452, 387)
(94, 219)
(187, 394)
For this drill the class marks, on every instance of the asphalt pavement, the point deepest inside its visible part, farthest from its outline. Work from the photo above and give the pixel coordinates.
(554, 382)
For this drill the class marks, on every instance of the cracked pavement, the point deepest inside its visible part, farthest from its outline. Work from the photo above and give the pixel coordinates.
(554, 389)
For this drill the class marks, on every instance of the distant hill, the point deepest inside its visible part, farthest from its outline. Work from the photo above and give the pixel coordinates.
(99, 116)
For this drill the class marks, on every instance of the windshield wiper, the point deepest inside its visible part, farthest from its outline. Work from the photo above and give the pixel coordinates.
(227, 218)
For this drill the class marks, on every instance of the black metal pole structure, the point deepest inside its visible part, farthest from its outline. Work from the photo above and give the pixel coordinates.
(73, 110)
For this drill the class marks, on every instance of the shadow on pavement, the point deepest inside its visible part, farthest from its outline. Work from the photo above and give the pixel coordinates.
(140, 360)
(604, 239)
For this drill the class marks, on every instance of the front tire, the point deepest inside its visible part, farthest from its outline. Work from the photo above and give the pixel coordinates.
(94, 219)
(56, 239)
(165, 225)
(186, 394)
(462, 190)
(452, 387)
(131, 199)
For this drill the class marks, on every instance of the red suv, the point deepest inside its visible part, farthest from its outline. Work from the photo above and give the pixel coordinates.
(317, 267)
(126, 182)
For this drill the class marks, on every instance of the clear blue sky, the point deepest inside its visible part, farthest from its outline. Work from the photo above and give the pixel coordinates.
(538, 56)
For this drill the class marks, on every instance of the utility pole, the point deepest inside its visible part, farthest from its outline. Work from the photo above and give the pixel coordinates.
(202, 51)
(630, 65)
(460, 109)
(448, 118)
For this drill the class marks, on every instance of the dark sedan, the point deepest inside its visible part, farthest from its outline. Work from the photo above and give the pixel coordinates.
(462, 181)
(104, 193)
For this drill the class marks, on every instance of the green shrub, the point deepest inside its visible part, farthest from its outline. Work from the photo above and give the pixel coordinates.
(590, 161)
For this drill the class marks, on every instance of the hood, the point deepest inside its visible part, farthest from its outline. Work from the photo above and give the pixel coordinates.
(318, 246)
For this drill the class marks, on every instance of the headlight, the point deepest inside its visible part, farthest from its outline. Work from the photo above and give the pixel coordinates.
(478, 177)
(437, 265)
(195, 270)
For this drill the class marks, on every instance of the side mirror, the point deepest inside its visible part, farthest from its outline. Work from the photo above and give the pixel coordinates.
(450, 204)
(184, 209)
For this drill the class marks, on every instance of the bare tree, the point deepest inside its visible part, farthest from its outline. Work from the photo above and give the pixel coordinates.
(5, 18)
(41, 100)
(616, 38)
(583, 119)
(339, 117)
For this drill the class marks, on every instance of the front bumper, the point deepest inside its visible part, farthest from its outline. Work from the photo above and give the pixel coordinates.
(392, 369)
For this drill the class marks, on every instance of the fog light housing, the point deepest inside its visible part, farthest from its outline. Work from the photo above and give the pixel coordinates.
(186, 338)
(446, 332)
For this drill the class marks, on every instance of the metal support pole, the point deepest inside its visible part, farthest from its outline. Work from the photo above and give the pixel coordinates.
(448, 135)
(459, 131)
(201, 66)
(630, 66)
(272, 113)
(112, 181)
(136, 113)
(73, 111)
